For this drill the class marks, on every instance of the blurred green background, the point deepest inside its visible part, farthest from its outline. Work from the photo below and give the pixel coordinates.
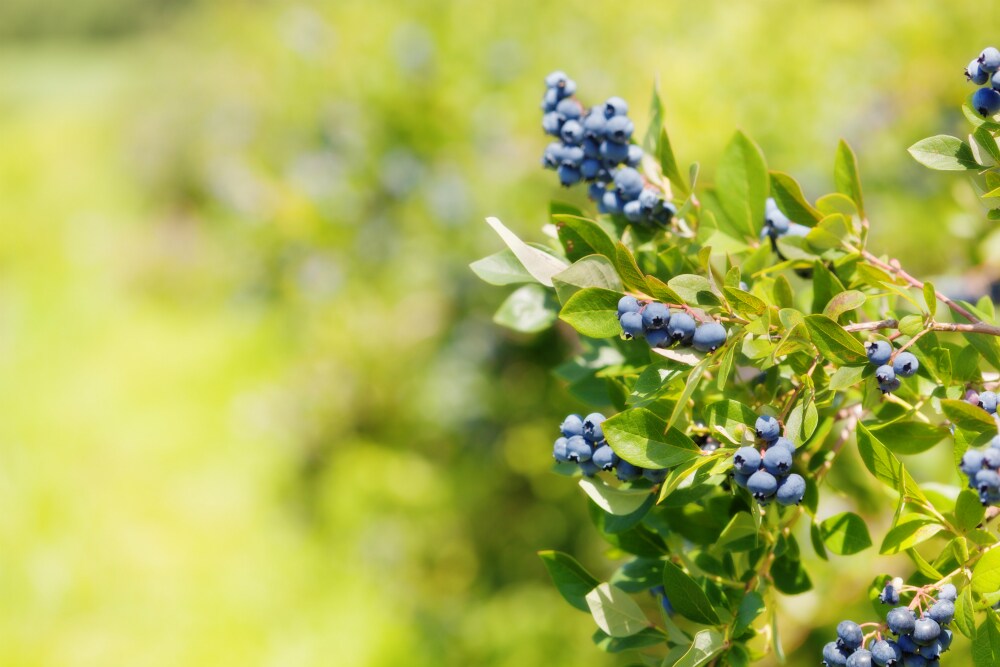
(254, 409)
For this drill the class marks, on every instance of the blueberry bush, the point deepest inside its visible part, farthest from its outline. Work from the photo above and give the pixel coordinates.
(745, 337)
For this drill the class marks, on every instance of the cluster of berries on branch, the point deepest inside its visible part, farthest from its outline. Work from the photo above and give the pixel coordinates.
(919, 641)
(767, 473)
(982, 467)
(595, 147)
(984, 70)
(889, 370)
(662, 328)
(777, 224)
(582, 442)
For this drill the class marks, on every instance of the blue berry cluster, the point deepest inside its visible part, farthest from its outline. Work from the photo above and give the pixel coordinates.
(583, 443)
(767, 473)
(887, 374)
(919, 641)
(653, 321)
(982, 467)
(777, 224)
(595, 147)
(981, 71)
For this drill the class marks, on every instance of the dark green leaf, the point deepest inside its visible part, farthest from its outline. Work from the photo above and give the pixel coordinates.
(581, 237)
(570, 578)
(846, 376)
(729, 415)
(845, 534)
(833, 342)
(643, 439)
(751, 606)
(944, 153)
(687, 597)
(789, 576)
(909, 437)
(528, 309)
(969, 512)
(986, 643)
(593, 312)
(742, 185)
(986, 141)
(886, 467)
(846, 175)
(692, 383)
(640, 640)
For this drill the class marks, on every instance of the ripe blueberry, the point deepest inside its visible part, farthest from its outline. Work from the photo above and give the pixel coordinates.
(860, 658)
(946, 638)
(551, 98)
(615, 106)
(592, 427)
(649, 200)
(569, 110)
(925, 631)
(849, 634)
(556, 79)
(942, 611)
(551, 122)
(589, 468)
(777, 461)
(784, 442)
(889, 594)
(611, 203)
(976, 74)
(655, 476)
(767, 427)
(628, 183)
(886, 653)
(634, 155)
(948, 592)
(987, 481)
(590, 168)
(591, 148)
(619, 129)
(988, 401)
(577, 449)
(775, 219)
(878, 352)
(632, 325)
(709, 337)
(572, 425)
(989, 59)
(593, 126)
(762, 485)
(559, 451)
(991, 458)
(834, 655)
(747, 460)
(627, 472)
(658, 338)
(681, 328)
(632, 211)
(628, 304)
(986, 101)
(569, 175)
(741, 479)
(571, 132)
(972, 462)
(604, 457)
(655, 316)
(905, 364)
(791, 490)
(995, 81)
(614, 153)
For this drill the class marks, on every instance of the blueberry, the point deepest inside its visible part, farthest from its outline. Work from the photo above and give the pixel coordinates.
(590, 168)
(791, 490)
(948, 592)
(767, 427)
(577, 449)
(849, 634)
(741, 479)
(572, 132)
(995, 81)
(709, 337)
(667, 607)
(987, 481)
(777, 461)
(884, 375)
(946, 638)
(989, 59)
(634, 155)
(627, 472)
(572, 156)
(666, 213)
(986, 101)
(886, 653)
(628, 304)
(784, 442)
(905, 364)
(932, 650)
(604, 457)
(569, 175)
(614, 153)
(775, 219)
(591, 149)
(942, 611)
(925, 631)
(907, 645)
(747, 460)
(593, 126)
(632, 325)
(628, 183)
(795, 229)
(762, 485)
(559, 451)
(995, 442)
(900, 621)
(658, 338)
(834, 655)
(632, 211)
(619, 130)
(915, 660)
(615, 106)
(976, 74)
(569, 110)
(553, 155)
(860, 658)
(551, 122)
(655, 316)
(681, 328)
(589, 468)
(572, 425)
(988, 401)
(592, 427)
(991, 458)
(972, 462)
(889, 594)
(655, 476)
(551, 98)
(556, 79)
(878, 351)
(649, 200)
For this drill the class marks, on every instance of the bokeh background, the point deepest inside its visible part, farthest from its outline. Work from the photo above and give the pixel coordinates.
(253, 409)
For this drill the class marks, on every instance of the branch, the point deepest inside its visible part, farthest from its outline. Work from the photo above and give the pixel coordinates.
(978, 327)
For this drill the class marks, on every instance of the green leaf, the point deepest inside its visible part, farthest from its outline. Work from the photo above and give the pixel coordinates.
(986, 643)
(985, 139)
(615, 612)
(501, 268)
(668, 164)
(802, 421)
(846, 376)
(655, 128)
(829, 233)
(845, 534)
(744, 303)
(741, 534)
(643, 439)
(541, 265)
(593, 312)
(660, 291)
(968, 417)
(581, 237)
(987, 346)
(844, 302)
(693, 288)
(886, 467)
(909, 437)
(909, 531)
(833, 342)
(529, 309)
(729, 415)
(965, 613)
(591, 271)
(845, 175)
(640, 640)
(789, 576)
(633, 278)
(817, 541)
(751, 607)
(969, 512)
(742, 184)
(706, 645)
(687, 597)
(986, 575)
(944, 153)
(788, 195)
(692, 383)
(570, 578)
(619, 502)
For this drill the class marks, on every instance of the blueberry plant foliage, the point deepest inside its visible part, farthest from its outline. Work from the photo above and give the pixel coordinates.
(744, 337)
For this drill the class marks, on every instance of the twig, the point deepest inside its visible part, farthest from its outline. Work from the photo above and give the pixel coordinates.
(977, 327)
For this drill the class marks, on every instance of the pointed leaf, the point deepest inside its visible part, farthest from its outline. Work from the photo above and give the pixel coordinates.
(570, 578)
(643, 439)
(541, 265)
(615, 612)
(593, 312)
(687, 597)
(846, 175)
(944, 153)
